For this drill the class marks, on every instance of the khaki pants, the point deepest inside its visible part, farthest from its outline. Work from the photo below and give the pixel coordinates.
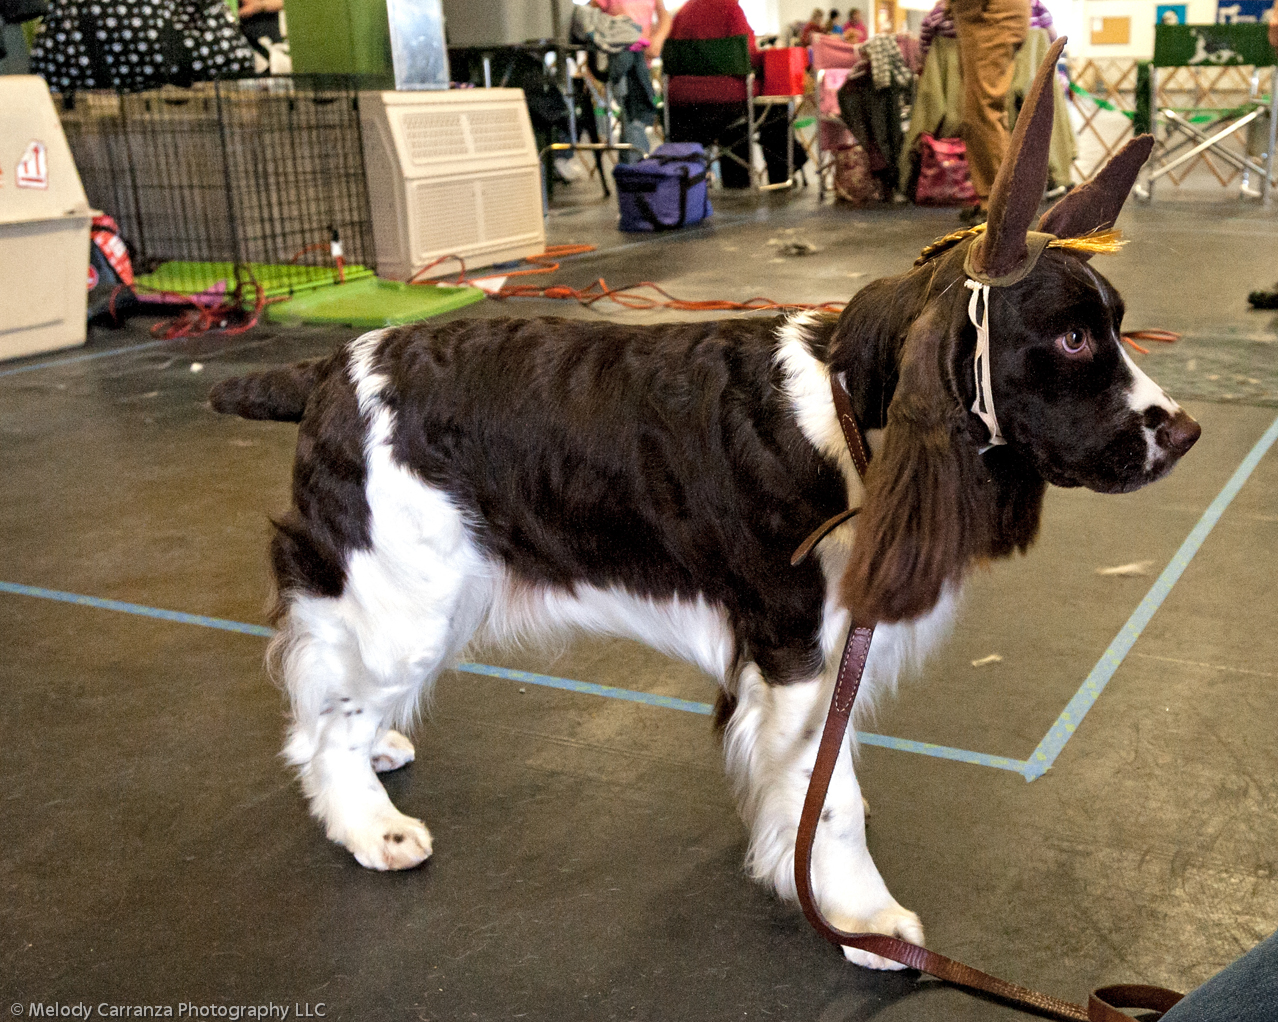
(989, 32)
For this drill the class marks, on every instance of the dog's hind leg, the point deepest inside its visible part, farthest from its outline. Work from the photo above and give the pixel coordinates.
(337, 721)
(771, 743)
(357, 665)
(391, 750)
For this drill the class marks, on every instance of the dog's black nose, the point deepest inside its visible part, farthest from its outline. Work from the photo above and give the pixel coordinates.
(1179, 433)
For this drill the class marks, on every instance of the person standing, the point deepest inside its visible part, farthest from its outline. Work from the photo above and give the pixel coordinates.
(854, 29)
(711, 108)
(633, 91)
(651, 16)
(815, 25)
(989, 33)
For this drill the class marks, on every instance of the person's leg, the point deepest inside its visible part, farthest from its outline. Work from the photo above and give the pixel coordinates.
(692, 124)
(714, 122)
(731, 133)
(634, 133)
(774, 132)
(988, 36)
(1246, 991)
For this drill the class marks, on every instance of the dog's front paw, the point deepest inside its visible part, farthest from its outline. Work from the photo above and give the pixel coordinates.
(894, 921)
(391, 751)
(390, 840)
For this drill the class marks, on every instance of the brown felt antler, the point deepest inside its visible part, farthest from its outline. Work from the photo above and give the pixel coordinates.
(1095, 206)
(1018, 188)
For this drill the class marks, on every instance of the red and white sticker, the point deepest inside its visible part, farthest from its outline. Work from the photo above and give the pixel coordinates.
(33, 168)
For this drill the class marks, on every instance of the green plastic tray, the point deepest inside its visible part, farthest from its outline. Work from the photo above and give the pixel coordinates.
(370, 303)
(190, 278)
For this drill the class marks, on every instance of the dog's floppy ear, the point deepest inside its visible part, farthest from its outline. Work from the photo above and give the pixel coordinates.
(1096, 205)
(926, 510)
(1018, 186)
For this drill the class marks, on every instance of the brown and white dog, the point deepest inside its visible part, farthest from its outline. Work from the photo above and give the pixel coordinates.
(511, 479)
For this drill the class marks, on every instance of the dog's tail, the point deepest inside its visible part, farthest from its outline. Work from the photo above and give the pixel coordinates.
(276, 394)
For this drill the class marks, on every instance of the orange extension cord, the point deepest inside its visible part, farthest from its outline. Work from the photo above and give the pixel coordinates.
(199, 319)
(1163, 336)
(626, 296)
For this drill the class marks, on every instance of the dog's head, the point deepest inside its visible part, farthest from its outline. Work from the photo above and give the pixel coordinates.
(958, 479)
(1066, 393)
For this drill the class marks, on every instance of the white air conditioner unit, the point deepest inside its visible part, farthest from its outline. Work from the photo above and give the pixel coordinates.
(451, 173)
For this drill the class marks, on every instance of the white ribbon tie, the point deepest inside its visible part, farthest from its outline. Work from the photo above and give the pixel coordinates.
(983, 406)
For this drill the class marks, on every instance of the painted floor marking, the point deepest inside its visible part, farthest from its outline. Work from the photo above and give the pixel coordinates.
(1084, 699)
(588, 688)
(1213, 667)
(32, 367)
(1035, 767)
(509, 674)
(136, 608)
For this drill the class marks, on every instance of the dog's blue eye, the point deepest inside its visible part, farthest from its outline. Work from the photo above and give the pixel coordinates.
(1073, 343)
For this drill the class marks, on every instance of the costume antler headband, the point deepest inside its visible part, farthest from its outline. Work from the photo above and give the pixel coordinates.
(1006, 250)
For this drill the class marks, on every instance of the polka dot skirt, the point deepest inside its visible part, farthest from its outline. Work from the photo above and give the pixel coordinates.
(138, 44)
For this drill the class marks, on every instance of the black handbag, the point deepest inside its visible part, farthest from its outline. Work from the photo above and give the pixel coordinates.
(15, 12)
(138, 44)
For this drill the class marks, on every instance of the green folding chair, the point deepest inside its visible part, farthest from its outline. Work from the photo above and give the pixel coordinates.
(705, 57)
(1183, 134)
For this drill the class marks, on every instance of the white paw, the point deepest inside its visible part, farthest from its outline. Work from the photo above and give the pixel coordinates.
(895, 922)
(390, 840)
(391, 751)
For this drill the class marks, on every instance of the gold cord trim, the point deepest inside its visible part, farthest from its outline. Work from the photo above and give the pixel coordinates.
(949, 241)
(1096, 243)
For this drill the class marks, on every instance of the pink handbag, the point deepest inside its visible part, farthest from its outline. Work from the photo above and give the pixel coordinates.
(943, 179)
(852, 179)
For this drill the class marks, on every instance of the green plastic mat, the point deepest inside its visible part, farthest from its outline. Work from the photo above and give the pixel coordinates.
(189, 278)
(370, 303)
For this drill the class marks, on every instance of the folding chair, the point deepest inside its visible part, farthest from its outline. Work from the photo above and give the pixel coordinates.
(938, 105)
(1185, 134)
(730, 57)
(833, 60)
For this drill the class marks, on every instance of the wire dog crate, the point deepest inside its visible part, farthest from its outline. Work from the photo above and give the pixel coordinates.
(230, 183)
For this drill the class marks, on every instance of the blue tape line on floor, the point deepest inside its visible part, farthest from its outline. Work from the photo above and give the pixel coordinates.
(1050, 747)
(80, 358)
(589, 688)
(942, 752)
(509, 674)
(137, 608)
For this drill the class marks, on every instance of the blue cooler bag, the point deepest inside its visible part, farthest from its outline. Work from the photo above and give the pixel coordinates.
(665, 191)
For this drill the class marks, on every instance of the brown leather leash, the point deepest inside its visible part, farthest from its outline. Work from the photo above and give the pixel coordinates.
(1103, 1005)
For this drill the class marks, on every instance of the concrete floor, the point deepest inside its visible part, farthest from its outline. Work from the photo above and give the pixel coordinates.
(588, 857)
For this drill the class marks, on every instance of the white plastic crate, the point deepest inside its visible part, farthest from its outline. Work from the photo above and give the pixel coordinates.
(451, 173)
(44, 225)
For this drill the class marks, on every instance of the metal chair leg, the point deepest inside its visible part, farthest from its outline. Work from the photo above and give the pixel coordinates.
(1153, 127)
(1273, 136)
(665, 106)
(789, 140)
